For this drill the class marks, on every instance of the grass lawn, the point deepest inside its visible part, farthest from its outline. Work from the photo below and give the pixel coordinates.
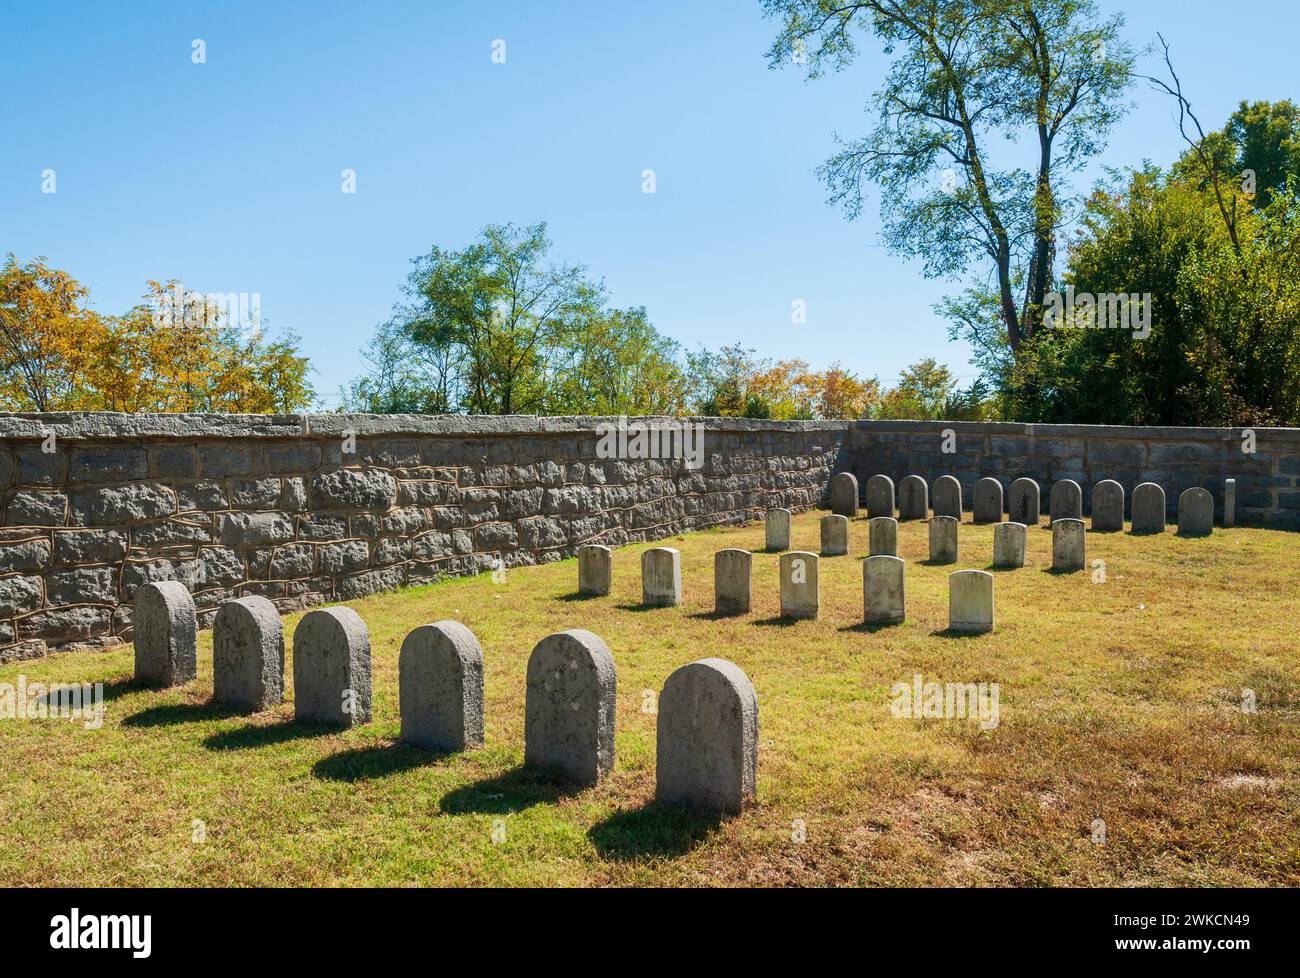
(1119, 701)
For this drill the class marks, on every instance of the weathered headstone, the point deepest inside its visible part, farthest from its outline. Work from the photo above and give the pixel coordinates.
(331, 668)
(247, 655)
(947, 497)
(1009, 545)
(943, 540)
(987, 501)
(1108, 507)
(1195, 513)
(970, 602)
(777, 526)
(1230, 502)
(800, 588)
(835, 536)
(733, 581)
(164, 623)
(661, 577)
(880, 496)
(440, 688)
(595, 569)
(1024, 504)
(883, 590)
(913, 499)
(844, 495)
(569, 707)
(706, 741)
(1148, 509)
(882, 537)
(1069, 547)
(1066, 500)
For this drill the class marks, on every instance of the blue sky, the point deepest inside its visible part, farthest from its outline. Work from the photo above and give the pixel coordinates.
(227, 174)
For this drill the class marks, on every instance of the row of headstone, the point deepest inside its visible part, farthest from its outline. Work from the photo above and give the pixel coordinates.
(706, 741)
(1023, 504)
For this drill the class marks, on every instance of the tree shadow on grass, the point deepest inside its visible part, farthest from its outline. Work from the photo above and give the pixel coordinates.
(369, 763)
(175, 713)
(653, 830)
(265, 735)
(515, 790)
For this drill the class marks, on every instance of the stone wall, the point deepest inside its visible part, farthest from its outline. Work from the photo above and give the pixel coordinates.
(1268, 480)
(318, 508)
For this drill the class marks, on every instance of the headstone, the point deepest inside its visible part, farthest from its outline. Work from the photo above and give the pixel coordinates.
(1024, 503)
(835, 536)
(880, 496)
(1230, 502)
(440, 688)
(331, 668)
(1068, 546)
(970, 602)
(778, 530)
(595, 569)
(844, 496)
(706, 740)
(987, 502)
(800, 589)
(1066, 500)
(733, 577)
(882, 537)
(164, 623)
(247, 655)
(1108, 507)
(569, 707)
(1195, 513)
(1148, 509)
(913, 499)
(1009, 545)
(661, 577)
(947, 497)
(943, 540)
(883, 599)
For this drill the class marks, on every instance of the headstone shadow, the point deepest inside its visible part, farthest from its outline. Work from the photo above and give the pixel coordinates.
(176, 713)
(652, 831)
(504, 794)
(265, 735)
(370, 763)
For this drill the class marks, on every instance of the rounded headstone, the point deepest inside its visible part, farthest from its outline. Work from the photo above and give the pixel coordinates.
(1229, 502)
(733, 581)
(1068, 546)
(913, 499)
(1009, 545)
(331, 668)
(880, 496)
(440, 688)
(706, 740)
(164, 623)
(800, 588)
(970, 602)
(777, 528)
(1195, 513)
(661, 577)
(247, 655)
(1024, 502)
(1107, 507)
(595, 569)
(569, 707)
(844, 495)
(883, 597)
(1066, 500)
(947, 497)
(987, 501)
(835, 536)
(882, 537)
(1148, 508)
(943, 540)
